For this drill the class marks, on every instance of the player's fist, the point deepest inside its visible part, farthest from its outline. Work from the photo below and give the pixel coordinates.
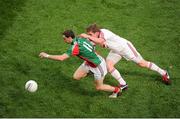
(43, 55)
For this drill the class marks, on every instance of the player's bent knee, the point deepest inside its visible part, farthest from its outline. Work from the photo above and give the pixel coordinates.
(98, 88)
(76, 77)
(110, 68)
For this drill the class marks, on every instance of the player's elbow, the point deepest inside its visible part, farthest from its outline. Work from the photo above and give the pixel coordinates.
(60, 58)
(102, 42)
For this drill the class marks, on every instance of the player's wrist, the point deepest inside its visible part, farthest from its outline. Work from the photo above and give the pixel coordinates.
(47, 56)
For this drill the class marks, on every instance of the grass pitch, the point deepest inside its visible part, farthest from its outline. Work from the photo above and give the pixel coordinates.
(28, 27)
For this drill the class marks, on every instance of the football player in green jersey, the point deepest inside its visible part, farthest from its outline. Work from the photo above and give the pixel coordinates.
(94, 63)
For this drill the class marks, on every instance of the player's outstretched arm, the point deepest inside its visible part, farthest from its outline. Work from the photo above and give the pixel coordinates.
(54, 57)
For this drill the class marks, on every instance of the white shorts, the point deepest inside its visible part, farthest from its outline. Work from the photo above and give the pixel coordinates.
(129, 52)
(113, 56)
(99, 72)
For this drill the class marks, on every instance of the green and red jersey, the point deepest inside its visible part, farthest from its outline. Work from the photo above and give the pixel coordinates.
(85, 50)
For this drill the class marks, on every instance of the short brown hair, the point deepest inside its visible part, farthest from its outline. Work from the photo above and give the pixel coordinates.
(69, 33)
(93, 28)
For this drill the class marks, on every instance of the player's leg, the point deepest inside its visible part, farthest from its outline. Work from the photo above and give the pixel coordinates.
(105, 87)
(81, 72)
(152, 66)
(99, 73)
(111, 60)
(135, 56)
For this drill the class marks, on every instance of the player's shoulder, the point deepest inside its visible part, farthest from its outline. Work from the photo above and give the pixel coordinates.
(81, 40)
(106, 31)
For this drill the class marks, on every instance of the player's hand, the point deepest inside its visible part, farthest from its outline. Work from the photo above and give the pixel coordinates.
(104, 45)
(83, 35)
(43, 55)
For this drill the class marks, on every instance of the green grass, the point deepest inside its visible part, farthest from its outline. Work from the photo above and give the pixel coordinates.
(28, 27)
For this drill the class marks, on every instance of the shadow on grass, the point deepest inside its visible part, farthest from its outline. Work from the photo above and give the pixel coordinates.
(79, 87)
(151, 77)
(8, 12)
(66, 82)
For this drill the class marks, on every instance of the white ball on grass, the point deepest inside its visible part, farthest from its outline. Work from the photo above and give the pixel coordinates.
(31, 86)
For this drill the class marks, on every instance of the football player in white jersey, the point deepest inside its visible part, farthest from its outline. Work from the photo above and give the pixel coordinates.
(120, 47)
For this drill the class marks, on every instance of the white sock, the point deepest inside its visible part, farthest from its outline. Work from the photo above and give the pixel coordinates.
(115, 73)
(154, 67)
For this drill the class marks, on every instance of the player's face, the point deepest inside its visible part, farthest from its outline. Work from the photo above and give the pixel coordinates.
(67, 40)
(96, 34)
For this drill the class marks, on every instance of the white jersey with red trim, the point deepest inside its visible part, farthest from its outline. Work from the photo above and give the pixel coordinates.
(119, 47)
(113, 41)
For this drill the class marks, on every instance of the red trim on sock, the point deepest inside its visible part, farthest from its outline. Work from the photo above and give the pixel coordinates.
(150, 65)
(118, 78)
(116, 89)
